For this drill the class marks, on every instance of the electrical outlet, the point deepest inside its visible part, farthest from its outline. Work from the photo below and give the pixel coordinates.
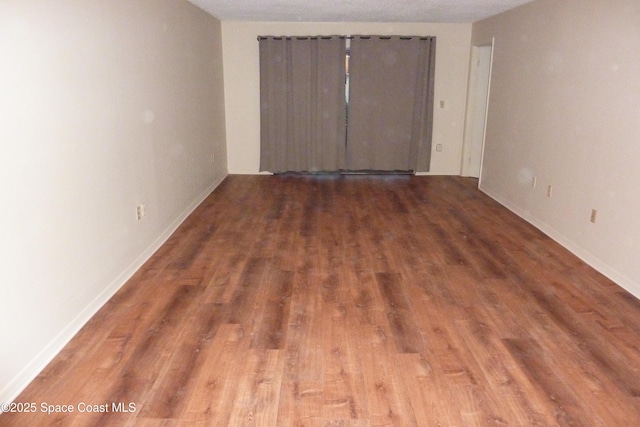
(594, 213)
(438, 147)
(549, 191)
(534, 181)
(140, 212)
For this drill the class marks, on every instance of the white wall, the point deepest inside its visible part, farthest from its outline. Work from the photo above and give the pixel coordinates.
(104, 105)
(242, 84)
(565, 108)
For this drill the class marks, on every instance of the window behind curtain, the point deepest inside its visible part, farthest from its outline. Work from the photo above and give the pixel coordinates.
(302, 104)
(391, 103)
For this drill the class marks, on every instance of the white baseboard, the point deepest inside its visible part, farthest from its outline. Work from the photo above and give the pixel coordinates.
(435, 174)
(12, 390)
(602, 267)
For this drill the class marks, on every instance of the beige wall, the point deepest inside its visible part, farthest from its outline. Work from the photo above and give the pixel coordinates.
(104, 105)
(242, 84)
(565, 108)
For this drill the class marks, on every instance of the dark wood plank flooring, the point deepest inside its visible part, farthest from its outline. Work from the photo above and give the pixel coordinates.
(353, 301)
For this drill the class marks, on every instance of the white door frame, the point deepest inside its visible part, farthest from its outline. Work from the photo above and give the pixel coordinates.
(473, 114)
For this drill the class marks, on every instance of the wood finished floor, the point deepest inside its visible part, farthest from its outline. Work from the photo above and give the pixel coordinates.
(353, 301)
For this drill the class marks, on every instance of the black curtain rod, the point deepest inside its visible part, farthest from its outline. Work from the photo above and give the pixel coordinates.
(342, 37)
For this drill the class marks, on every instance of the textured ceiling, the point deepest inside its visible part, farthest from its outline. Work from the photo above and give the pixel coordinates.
(356, 10)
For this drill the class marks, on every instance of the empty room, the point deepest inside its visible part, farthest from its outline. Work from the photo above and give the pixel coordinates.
(284, 212)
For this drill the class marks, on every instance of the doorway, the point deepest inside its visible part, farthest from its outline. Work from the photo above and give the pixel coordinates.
(477, 103)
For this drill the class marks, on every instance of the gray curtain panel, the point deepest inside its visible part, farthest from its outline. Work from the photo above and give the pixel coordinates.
(302, 104)
(390, 103)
